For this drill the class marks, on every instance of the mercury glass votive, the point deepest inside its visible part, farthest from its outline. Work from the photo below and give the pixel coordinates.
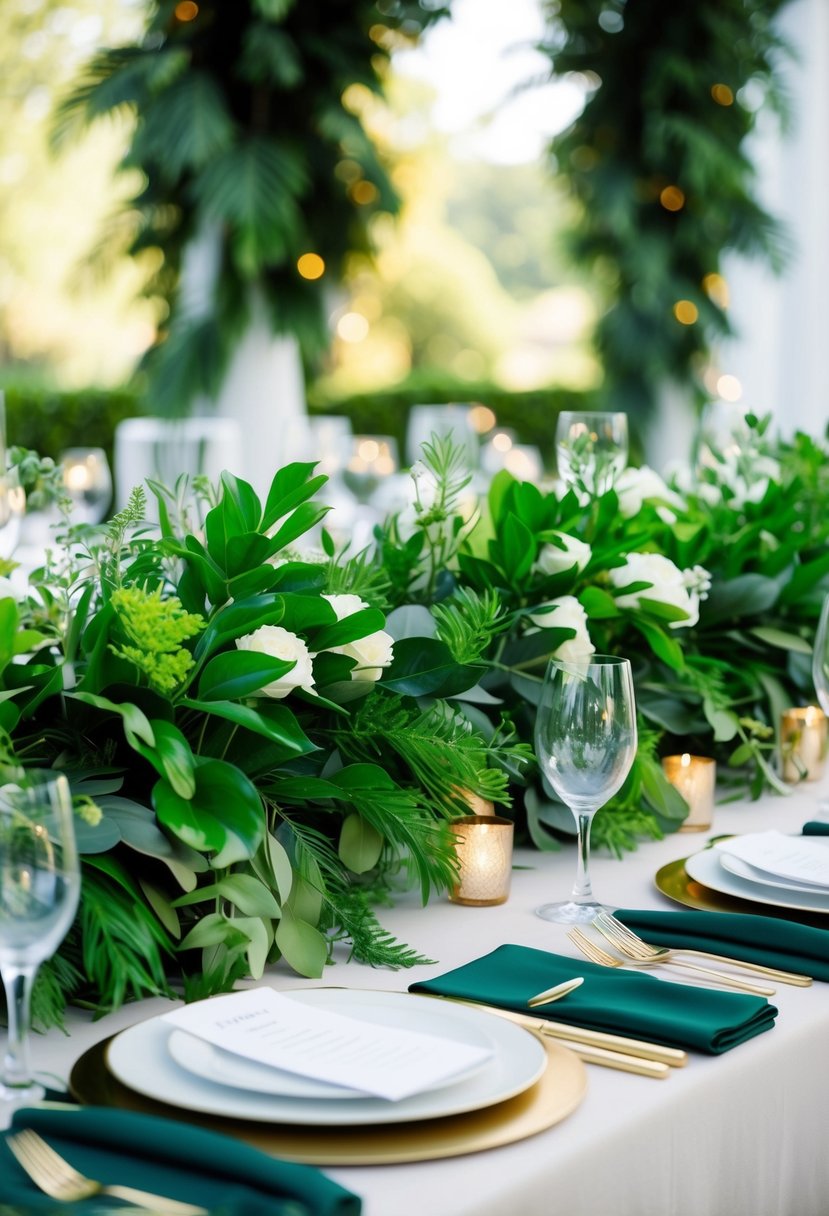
(695, 777)
(483, 844)
(803, 743)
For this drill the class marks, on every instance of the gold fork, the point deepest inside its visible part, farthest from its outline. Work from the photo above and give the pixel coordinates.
(48, 1170)
(630, 943)
(597, 954)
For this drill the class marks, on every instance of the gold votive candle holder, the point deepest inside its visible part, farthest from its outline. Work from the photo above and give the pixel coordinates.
(803, 743)
(695, 777)
(483, 844)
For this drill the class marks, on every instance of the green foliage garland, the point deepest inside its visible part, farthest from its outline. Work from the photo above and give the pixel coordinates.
(658, 162)
(243, 131)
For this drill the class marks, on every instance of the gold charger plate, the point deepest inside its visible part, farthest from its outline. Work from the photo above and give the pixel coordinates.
(673, 880)
(555, 1095)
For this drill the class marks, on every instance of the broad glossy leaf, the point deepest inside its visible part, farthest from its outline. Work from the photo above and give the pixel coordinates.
(722, 721)
(411, 621)
(237, 619)
(240, 504)
(598, 604)
(424, 666)
(303, 947)
(224, 816)
(137, 728)
(291, 486)
(351, 628)
(746, 595)
(104, 836)
(246, 553)
(171, 757)
(664, 647)
(9, 620)
(302, 520)
(274, 721)
(240, 673)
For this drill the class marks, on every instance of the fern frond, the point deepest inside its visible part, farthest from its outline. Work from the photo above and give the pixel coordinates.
(468, 622)
(370, 942)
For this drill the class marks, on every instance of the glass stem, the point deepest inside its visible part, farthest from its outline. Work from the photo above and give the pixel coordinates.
(17, 982)
(582, 889)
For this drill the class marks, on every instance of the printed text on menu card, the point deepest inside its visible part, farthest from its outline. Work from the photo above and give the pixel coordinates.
(377, 1060)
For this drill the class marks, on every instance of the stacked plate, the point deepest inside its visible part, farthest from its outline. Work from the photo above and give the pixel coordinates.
(767, 868)
(167, 1064)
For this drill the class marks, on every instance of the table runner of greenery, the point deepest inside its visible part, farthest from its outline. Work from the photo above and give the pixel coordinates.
(266, 741)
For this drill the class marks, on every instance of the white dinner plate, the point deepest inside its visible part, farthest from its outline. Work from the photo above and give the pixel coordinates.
(139, 1058)
(224, 1068)
(705, 867)
(750, 873)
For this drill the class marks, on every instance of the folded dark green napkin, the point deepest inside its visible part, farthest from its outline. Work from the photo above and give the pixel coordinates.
(769, 940)
(816, 827)
(620, 1002)
(170, 1159)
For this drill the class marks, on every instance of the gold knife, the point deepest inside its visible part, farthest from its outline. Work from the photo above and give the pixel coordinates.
(672, 1057)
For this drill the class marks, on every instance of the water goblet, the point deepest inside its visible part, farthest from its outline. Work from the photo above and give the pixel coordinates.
(39, 890)
(585, 741)
(591, 449)
(88, 483)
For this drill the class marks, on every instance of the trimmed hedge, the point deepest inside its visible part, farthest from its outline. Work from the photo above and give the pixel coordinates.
(48, 421)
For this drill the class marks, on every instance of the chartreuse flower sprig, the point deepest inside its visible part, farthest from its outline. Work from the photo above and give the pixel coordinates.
(155, 629)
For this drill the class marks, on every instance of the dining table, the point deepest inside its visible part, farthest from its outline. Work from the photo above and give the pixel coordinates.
(742, 1133)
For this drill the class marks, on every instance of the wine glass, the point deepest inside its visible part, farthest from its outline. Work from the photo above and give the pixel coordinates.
(585, 741)
(373, 458)
(88, 483)
(820, 671)
(39, 891)
(591, 449)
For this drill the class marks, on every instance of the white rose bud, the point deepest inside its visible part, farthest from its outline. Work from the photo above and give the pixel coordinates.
(565, 613)
(373, 652)
(668, 584)
(281, 644)
(569, 552)
(636, 486)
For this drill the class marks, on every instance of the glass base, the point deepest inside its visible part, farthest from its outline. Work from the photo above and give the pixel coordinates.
(14, 1097)
(570, 913)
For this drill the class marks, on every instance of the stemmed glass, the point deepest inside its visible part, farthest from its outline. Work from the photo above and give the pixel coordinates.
(820, 670)
(88, 483)
(39, 890)
(585, 741)
(591, 449)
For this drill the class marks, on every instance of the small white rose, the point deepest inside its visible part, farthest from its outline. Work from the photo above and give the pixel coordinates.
(565, 613)
(668, 584)
(563, 554)
(345, 605)
(281, 644)
(373, 652)
(636, 486)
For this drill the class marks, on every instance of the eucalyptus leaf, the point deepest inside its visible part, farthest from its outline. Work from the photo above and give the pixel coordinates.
(360, 844)
(303, 947)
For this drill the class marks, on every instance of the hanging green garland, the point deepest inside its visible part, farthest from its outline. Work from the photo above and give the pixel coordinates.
(658, 162)
(246, 127)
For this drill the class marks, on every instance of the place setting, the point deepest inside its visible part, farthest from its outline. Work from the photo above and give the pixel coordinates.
(333, 1076)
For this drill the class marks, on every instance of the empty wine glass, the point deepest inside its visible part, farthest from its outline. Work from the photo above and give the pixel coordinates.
(39, 890)
(373, 458)
(820, 671)
(585, 741)
(88, 483)
(591, 449)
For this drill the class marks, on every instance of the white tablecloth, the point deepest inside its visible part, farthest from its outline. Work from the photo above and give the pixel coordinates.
(742, 1134)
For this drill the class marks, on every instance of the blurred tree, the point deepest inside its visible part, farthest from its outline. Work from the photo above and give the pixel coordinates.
(49, 212)
(658, 163)
(247, 133)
